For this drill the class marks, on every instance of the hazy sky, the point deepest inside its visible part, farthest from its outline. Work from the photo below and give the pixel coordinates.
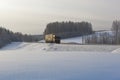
(31, 16)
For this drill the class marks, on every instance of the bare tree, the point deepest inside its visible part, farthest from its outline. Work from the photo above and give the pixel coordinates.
(116, 29)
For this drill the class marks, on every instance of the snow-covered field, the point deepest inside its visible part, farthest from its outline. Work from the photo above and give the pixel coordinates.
(40, 61)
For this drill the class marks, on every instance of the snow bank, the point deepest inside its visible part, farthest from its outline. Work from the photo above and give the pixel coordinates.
(59, 47)
(116, 51)
(86, 48)
(15, 45)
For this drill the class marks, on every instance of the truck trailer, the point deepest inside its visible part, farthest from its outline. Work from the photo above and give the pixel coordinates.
(51, 38)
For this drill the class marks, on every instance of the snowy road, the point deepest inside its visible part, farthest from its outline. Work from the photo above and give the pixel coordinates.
(59, 47)
(34, 61)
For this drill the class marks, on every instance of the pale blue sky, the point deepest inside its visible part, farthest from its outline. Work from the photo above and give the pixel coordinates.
(31, 16)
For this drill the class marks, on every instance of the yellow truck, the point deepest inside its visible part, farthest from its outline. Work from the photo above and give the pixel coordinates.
(51, 38)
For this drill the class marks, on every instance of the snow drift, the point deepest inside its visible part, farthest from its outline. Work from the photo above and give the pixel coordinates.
(116, 51)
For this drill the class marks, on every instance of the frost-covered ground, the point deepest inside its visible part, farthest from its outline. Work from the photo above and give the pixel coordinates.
(40, 61)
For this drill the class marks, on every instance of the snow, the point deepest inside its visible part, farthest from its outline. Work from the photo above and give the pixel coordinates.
(40, 61)
(60, 47)
(116, 51)
(72, 40)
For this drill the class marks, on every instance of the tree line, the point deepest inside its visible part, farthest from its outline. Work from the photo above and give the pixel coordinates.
(68, 29)
(112, 37)
(7, 36)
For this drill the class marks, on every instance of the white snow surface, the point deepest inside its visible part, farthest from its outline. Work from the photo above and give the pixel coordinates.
(116, 51)
(40, 61)
(72, 40)
(60, 47)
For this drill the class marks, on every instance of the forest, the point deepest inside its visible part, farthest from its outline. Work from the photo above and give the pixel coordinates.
(7, 36)
(69, 29)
